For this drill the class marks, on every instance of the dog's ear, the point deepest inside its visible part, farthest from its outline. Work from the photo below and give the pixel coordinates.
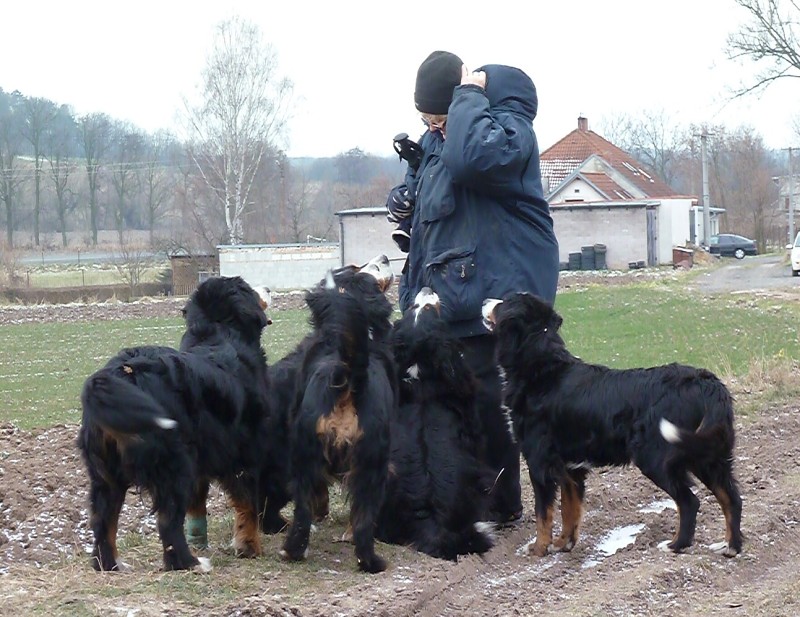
(555, 321)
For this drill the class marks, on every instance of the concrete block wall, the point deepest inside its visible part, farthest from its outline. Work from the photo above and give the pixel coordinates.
(365, 233)
(622, 229)
(279, 266)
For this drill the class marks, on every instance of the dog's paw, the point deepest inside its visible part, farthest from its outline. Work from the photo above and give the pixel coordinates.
(203, 567)
(372, 564)
(561, 545)
(247, 549)
(724, 549)
(670, 546)
(537, 549)
(288, 556)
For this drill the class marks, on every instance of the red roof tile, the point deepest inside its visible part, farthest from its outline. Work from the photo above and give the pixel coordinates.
(606, 185)
(561, 160)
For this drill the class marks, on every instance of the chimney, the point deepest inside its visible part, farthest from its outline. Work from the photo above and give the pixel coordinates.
(583, 124)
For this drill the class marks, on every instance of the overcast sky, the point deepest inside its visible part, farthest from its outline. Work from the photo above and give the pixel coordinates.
(353, 63)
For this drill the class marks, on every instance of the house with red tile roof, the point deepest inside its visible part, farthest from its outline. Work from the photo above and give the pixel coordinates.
(600, 195)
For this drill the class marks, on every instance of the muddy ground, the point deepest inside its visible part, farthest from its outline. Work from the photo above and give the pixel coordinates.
(617, 567)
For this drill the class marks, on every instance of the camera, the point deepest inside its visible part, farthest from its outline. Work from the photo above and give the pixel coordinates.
(408, 150)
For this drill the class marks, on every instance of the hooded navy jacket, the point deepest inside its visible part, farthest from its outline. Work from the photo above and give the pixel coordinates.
(481, 227)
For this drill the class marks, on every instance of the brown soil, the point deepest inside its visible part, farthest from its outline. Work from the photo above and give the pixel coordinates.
(44, 536)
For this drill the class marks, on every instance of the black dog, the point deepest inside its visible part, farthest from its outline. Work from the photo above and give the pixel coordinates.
(369, 283)
(437, 488)
(170, 421)
(570, 416)
(346, 392)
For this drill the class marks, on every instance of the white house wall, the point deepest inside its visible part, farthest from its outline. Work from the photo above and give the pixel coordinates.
(577, 190)
(674, 226)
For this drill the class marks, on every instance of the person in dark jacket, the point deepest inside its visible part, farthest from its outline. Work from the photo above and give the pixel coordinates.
(477, 224)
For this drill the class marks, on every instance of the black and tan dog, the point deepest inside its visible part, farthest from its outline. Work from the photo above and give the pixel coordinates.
(368, 283)
(345, 391)
(170, 421)
(570, 416)
(438, 487)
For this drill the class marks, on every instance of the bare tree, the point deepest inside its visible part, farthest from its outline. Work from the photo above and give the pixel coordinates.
(157, 182)
(39, 114)
(242, 112)
(96, 135)
(60, 144)
(770, 39)
(652, 138)
(740, 180)
(295, 202)
(750, 194)
(131, 265)
(11, 117)
(127, 147)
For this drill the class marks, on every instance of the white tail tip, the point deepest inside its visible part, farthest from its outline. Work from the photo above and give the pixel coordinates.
(669, 431)
(166, 423)
(486, 529)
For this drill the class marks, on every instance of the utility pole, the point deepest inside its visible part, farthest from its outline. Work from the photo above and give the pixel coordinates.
(706, 196)
(791, 198)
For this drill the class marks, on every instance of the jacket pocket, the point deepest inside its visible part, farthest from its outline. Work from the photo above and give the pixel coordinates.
(453, 275)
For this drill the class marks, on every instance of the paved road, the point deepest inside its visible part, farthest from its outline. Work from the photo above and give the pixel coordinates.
(767, 272)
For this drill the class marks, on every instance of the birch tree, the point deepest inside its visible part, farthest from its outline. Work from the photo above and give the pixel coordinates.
(240, 114)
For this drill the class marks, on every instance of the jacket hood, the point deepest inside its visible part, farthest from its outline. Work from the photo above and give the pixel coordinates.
(510, 89)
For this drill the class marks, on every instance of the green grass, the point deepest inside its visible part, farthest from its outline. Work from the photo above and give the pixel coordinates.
(55, 276)
(43, 366)
(645, 325)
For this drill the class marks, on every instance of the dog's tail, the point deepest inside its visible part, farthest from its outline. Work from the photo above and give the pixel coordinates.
(117, 404)
(712, 443)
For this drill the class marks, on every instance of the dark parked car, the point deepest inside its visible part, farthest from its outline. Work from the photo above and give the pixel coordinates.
(731, 245)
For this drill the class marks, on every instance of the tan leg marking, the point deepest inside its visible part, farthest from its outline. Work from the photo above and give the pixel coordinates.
(571, 512)
(544, 533)
(246, 538)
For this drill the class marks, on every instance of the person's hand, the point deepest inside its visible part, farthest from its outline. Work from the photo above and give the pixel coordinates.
(399, 205)
(478, 77)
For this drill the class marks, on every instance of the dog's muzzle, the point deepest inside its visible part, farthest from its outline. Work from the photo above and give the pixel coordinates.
(487, 312)
(380, 268)
(426, 299)
(264, 300)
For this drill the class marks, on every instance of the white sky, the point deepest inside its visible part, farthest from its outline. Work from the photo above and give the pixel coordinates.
(353, 63)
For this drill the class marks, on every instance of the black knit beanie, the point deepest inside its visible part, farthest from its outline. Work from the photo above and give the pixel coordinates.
(437, 76)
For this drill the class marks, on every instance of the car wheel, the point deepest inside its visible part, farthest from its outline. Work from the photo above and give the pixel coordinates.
(795, 272)
(739, 253)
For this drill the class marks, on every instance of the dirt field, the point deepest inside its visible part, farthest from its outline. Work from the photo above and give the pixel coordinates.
(617, 567)
(44, 568)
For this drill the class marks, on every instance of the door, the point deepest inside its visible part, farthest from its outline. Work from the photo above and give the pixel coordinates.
(652, 236)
